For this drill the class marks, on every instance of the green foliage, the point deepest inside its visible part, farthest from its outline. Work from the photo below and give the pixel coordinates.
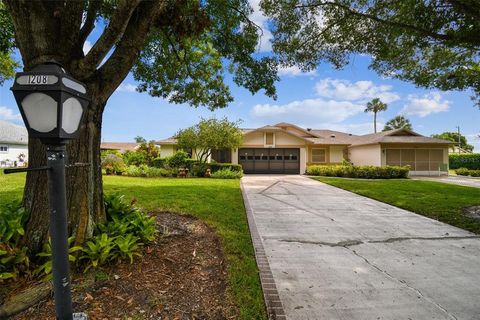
(7, 64)
(227, 173)
(133, 158)
(150, 151)
(13, 261)
(46, 254)
(210, 134)
(12, 220)
(179, 159)
(148, 172)
(98, 251)
(468, 161)
(431, 43)
(364, 172)
(199, 169)
(113, 164)
(159, 162)
(467, 172)
(453, 136)
(398, 122)
(127, 246)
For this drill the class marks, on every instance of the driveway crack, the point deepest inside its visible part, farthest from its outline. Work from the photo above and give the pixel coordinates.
(345, 243)
(404, 283)
(390, 240)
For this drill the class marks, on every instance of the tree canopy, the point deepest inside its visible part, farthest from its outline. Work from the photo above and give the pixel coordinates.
(397, 123)
(210, 134)
(453, 136)
(432, 43)
(375, 106)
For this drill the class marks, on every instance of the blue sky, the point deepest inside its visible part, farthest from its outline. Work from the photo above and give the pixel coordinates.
(324, 99)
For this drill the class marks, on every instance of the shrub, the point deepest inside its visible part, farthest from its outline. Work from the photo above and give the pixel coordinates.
(98, 251)
(158, 162)
(148, 172)
(133, 158)
(365, 172)
(199, 169)
(177, 160)
(12, 220)
(227, 173)
(13, 261)
(113, 164)
(469, 161)
(46, 267)
(467, 172)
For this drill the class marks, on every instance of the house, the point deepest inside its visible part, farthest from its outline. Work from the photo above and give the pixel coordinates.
(287, 148)
(457, 150)
(119, 146)
(13, 145)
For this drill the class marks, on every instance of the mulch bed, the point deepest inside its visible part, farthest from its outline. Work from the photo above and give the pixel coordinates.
(181, 275)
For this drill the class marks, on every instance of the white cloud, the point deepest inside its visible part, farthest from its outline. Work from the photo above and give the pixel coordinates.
(9, 115)
(295, 71)
(87, 46)
(260, 20)
(425, 105)
(127, 87)
(356, 91)
(309, 112)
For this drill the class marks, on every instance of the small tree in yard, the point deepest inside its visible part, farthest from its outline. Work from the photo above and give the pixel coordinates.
(208, 135)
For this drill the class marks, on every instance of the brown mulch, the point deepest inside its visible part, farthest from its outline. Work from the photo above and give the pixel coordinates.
(181, 275)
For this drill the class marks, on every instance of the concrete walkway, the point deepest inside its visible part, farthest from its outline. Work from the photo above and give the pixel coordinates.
(337, 255)
(458, 180)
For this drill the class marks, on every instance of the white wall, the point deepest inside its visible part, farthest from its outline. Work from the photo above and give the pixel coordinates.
(167, 150)
(303, 160)
(369, 155)
(13, 151)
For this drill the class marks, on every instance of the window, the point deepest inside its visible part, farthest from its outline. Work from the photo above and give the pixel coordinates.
(269, 138)
(318, 155)
(4, 148)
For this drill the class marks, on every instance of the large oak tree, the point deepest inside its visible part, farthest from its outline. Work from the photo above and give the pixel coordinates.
(432, 43)
(178, 50)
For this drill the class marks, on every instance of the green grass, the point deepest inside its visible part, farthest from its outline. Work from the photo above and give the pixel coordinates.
(216, 201)
(440, 201)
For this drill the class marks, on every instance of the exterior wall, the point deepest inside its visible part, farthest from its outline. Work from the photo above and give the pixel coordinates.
(167, 150)
(254, 139)
(368, 155)
(284, 140)
(14, 150)
(235, 156)
(333, 154)
(303, 160)
(336, 154)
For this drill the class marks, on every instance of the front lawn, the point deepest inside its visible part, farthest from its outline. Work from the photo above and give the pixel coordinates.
(216, 201)
(440, 201)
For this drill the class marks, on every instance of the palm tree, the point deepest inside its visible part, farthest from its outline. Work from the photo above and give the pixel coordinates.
(397, 123)
(376, 105)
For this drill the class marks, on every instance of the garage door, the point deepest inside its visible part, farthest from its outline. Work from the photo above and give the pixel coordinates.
(272, 160)
(417, 159)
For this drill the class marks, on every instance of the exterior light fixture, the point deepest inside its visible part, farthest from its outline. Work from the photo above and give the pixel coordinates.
(52, 104)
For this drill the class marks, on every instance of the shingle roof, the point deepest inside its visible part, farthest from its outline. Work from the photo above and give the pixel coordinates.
(121, 146)
(395, 136)
(332, 137)
(12, 133)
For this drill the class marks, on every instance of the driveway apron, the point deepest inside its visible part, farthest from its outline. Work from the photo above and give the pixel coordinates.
(337, 255)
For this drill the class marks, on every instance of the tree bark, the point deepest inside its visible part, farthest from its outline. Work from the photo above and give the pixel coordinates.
(375, 122)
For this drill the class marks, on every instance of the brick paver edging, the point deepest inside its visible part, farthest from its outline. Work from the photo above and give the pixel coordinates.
(270, 294)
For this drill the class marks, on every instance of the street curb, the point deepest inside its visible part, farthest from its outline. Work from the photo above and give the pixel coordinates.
(270, 294)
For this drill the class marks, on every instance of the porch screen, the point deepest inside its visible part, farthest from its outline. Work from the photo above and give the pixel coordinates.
(417, 159)
(318, 155)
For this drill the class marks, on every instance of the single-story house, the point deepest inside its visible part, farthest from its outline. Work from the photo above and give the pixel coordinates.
(13, 145)
(119, 146)
(287, 148)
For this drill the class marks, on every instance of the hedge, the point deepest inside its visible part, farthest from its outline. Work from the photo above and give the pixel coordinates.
(199, 169)
(469, 161)
(365, 172)
(467, 172)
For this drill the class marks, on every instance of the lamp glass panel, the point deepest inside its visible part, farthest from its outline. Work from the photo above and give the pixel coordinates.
(71, 115)
(74, 85)
(40, 111)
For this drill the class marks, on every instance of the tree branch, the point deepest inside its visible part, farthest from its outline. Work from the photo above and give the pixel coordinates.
(116, 27)
(93, 7)
(116, 68)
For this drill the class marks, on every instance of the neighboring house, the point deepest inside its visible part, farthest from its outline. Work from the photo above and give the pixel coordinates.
(13, 145)
(119, 146)
(287, 148)
(457, 150)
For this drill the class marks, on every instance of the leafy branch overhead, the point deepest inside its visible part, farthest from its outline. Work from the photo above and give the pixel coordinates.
(431, 43)
(179, 50)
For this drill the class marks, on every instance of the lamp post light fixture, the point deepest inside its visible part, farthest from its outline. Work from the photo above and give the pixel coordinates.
(52, 104)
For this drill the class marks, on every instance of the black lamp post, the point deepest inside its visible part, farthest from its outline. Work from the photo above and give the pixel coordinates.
(52, 104)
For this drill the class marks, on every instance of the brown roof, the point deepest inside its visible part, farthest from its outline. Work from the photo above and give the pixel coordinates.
(171, 140)
(120, 146)
(395, 136)
(332, 137)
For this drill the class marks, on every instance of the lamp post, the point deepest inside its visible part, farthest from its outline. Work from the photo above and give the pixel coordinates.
(52, 104)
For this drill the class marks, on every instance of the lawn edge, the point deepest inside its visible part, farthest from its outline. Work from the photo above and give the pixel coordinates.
(271, 297)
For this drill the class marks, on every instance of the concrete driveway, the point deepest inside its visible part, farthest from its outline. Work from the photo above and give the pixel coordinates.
(337, 255)
(458, 180)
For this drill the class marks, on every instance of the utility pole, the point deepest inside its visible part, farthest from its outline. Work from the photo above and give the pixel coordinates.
(459, 142)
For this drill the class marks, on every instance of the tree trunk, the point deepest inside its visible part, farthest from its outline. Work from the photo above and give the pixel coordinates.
(84, 185)
(375, 122)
